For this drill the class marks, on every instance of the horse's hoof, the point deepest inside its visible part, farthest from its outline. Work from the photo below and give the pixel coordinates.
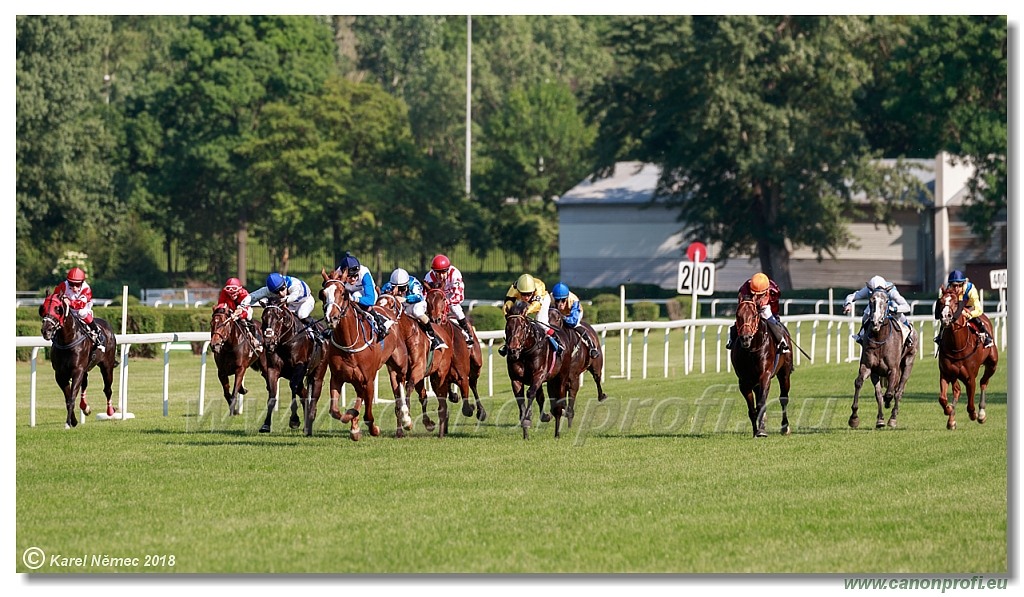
(602, 397)
(294, 423)
(892, 423)
(879, 423)
(973, 415)
(761, 433)
(453, 398)
(242, 390)
(110, 411)
(545, 417)
(786, 430)
(67, 426)
(86, 409)
(355, 435)
(526, 423)
(481, 414)
(349, 415)
(428, 424)
(265, 429)
(951, 425)
(467, 409)
(375, 431)
(981, 416)
(854, 422)
(399, 433)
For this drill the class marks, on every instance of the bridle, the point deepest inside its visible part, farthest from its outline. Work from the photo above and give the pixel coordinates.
(288, 326)
(444, 302)
(748, 325)
(521, 334)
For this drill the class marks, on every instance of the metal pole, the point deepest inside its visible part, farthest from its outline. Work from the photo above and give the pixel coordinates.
(469, 94)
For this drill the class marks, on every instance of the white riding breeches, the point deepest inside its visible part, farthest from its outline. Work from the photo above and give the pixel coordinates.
(303, 308)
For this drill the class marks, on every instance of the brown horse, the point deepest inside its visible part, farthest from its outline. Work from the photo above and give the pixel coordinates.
(756, 362)
(354, 356)
(884, 354)
(289, 352)
(582, 361)
(532, 362)
(961, 356)
(73, 356)
(405, 365)
(233, 351)
(441, 316)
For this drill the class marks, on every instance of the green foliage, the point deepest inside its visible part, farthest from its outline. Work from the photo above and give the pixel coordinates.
(645, 311)
(487, 317)
(607, 307)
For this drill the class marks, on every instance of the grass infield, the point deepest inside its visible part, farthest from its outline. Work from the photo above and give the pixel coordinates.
(663, 477)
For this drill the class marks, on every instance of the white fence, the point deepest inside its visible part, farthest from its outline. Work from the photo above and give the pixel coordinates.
(701, 347)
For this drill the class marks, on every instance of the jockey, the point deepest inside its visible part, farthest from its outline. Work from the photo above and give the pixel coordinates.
(295, 294)
(231, 296)
(568, 304)
(77, 292)
(409, 291)
(967, 294)
(448, 278)
(530, 290)
(765, 294)
(897, 304)
(362, 290)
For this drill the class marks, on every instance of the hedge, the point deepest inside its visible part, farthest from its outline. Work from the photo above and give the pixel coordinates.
(487, 318)
(645, 311)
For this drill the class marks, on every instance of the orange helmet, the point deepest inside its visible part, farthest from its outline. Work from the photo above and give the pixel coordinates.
(76, 275)
(759, 283)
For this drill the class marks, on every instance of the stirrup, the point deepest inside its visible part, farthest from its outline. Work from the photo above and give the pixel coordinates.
(502, 350)
(783, 347)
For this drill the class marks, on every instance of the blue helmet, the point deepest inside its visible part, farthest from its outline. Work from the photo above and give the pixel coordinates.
(348, 262)
(275, 282)
(560, 291)
(956, 277)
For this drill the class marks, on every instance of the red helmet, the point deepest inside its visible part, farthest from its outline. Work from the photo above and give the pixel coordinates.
(440, 263)
(76, 275)
(233, 286)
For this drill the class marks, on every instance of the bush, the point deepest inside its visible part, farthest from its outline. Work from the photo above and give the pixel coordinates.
(645, 311)
(487, 318)
(684, 306)
(25, 328)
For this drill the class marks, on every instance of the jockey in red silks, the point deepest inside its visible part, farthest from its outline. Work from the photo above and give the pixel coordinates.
(231, 297)
(765, 293)
(77, 292)
(448, 278)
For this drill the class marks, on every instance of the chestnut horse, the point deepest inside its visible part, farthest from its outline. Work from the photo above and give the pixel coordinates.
(961, 356)
(72, 355)
(468, 362)
(289, 352)
(756, 362)
(884, 354)
(234, 353)
(532, 362)
(405, 365)
(354, 355)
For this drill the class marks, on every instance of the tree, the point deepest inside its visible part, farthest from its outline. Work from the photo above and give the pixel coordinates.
(752, 120)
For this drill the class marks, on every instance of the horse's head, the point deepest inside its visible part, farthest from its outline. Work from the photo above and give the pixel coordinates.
(517, 330)
(219, 330)
(879, 302)
(278, 325)
(54, 311)
(437, 305)
(334, 296)
(946, 306)
(391, 304)
(747, 321)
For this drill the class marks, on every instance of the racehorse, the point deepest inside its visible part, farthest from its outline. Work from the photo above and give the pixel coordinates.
(582, 361)
(469, 362)
(532, 361)
(961, 356)
(884, 354)
(72, 354)
(405, 365)
(234, 353)
(289, 352)
(756, 361)
(354, 355)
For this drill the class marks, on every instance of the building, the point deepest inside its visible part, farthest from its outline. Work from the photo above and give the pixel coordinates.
(611, 233)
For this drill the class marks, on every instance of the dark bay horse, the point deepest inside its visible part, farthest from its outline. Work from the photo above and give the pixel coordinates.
(233, 351)
(289, 352)
(756, 362)
(961, 356)
(884, 356)
(533, 363)
(466, 360)
(73, 356)
(354, 356)
(582, 361)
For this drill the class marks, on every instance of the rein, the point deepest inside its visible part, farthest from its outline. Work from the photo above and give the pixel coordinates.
(78, 338)
(362, 323)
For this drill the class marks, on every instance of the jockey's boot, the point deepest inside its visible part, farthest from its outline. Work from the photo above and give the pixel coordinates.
(983, 335)
(96, 335)
(250, 328)
(554, 341)
(502, 350)
(464, 324)
(379, 324)
(593, 352)
(938, 335)
(435, 342)
(859, 336)
(779, 332)
(732, 337)
(311, 327)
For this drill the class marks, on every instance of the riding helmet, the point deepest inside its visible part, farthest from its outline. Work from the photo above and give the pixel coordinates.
(76, 275)
(759, 283)
(440, 263)
(877, 282)
(275, 282)
(399, 277)
(525, 284)
(560, 291)
(956, 277)
(348, 263)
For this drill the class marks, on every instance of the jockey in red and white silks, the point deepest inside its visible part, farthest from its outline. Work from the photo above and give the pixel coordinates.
(78, 293)
(448, 278)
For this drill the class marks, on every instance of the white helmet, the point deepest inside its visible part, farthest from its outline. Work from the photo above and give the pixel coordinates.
(399, 277)
(877, 282)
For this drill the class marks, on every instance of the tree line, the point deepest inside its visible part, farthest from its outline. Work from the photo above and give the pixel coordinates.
(158, 143)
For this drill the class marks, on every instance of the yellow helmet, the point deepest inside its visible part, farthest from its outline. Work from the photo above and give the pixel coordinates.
(759, 283)
(525, 284)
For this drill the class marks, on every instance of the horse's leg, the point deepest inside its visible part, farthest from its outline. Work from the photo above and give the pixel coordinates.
(371, 395)
(225, 386)
(539, 384)
(595, 372)
(858, 383)
(64, 382)
(947, 406)
(749, 396)
(107, 372)
(783, 377)
(876, 382)
(237, 389)
(312, 397)
(990, 369)
(421, 392)
(402, 420)
(906, 366)
(82, 404)
(441, 389)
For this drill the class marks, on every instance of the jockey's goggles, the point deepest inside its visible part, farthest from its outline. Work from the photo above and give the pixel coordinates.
(353, 272)
(74, 284)
(233, 289)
